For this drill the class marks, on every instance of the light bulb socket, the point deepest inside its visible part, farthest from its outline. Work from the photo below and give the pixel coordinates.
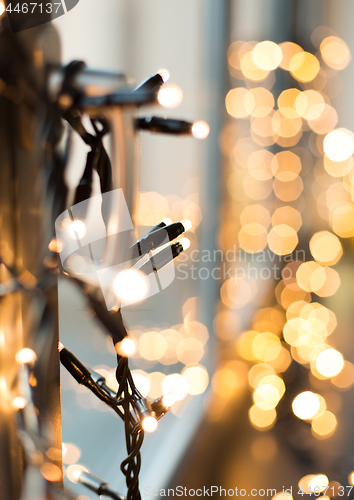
(156, 238)
(74, 366)
(161, 259)
(159, 408)
(97, 485)
(143, 409)
(160, 125)
(152, 84)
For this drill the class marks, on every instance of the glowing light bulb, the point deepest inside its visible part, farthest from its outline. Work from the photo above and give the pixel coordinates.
(200, 129)
(26, 356)
(130, 286)
(126, 347)
(185, 243)
(164, 73)
(170, 96)
(18, 403)
(149, 424)
(77, 229)
(60, 346)
(2, 8)
(186, 224)
(168, 400)
(73, 472)
(167, 221)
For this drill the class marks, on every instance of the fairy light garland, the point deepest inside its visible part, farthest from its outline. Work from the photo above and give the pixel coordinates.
(137, 412)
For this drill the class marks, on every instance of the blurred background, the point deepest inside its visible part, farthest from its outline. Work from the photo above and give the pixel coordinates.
(253, 337)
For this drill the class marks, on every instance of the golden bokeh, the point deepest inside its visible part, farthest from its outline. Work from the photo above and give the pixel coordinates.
(337, 168)
(287, 215)
(284, 126)
(343, 221)
(257, 190)
(253, 237)
(267, 55)
(286, 166)
(255, 213)
(325, 122)
(197, 378)
(289, 50)
(335, 52)
(329, 363)
(282, 239)
(288, 190)
(235, 103)
(345, 379)
(286, 103)
(326, 248)
(310, 104)
(250, 70)
(338, 144)
(260, 165)
(304, 274)
(306, 405)
(262, 419)
(304, 66)
(259, 102)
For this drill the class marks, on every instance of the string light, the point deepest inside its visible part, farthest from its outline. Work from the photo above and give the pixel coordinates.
(126, 347)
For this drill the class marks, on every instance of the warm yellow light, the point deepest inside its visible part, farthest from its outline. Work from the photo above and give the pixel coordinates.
(2, 8)
(338, 145)
(55, 245)
(168, 400)
(267, 55)
(18, 403)
(125, 347)
(289, 49)
(266, 396)
(26, 356)
(282, 239)
(306, 405)
(77, 229)
(335, 52)
(51, 472)
(164, 73)
(235, 102)
(259, 102)
(283, 496)
(320, 482)
(170, 96)
(324, 425)
(70, 453)
(286, 103)
(186, 224)
(262, 419)
(197, 378)
(185, 242)
(149, 424)
(176, 385)
(200, 129)
(310, 104)
(73, 472)
(130, 285)
(326, 248)
(304, 66)
(250, 70)
(329, 363)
